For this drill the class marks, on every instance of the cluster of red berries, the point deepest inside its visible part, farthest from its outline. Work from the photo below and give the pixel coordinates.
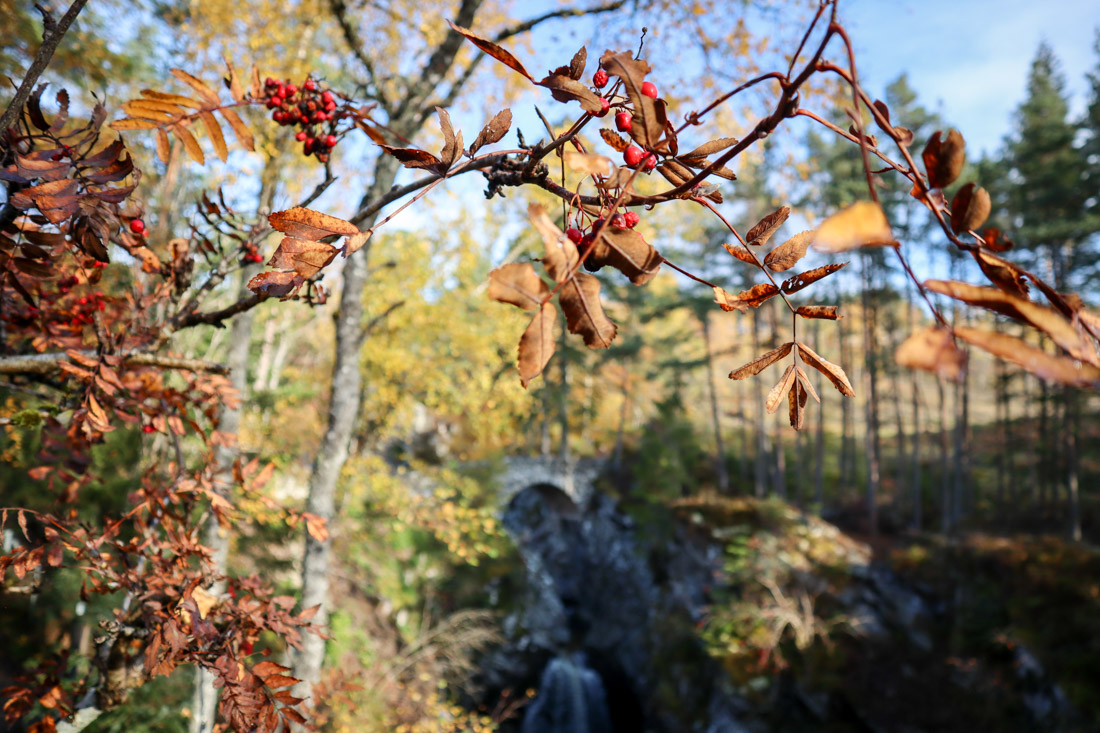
(624, 120)
(625, 220)
(312, 109)
(252, 252)
(85, 308)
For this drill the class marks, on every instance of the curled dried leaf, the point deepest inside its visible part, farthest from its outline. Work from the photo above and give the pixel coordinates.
(831, 371)
(970, 208)
(933, 350)
(998, 301)
(649, 117)
(517, 283)
(617, 142)
(762, 362)
(796, 404)
(493, 132)
(709, 148)
(492, 49)
(565, 89)
(766, 227)
(796, 282)
(1043, 365)
(741, 253)
(787, 255)
(828, 312)
(780, 390)
(944, 158)
(754, 297)
(537, 344)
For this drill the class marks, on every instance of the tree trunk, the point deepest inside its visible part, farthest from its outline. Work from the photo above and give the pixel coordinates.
(819, 452)
(563, 397)
(870, 359)
(1072, 429)
(204, 699)
(847, 438)
(335, 445)
(945, 466)
(915, 476)
(760, 427)
(720, 450)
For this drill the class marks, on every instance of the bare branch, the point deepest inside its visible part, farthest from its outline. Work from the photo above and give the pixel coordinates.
(51, 38)
(49, 362)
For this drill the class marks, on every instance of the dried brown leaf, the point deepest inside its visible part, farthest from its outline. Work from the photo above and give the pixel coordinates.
(766, 227)
(970, 208)
(587, 163)
(415, 158)
(649, 118)
(1043, 365)
(491, 48)
(518, 283)
(171, 98)
(537, 344)
(208, 95)
(831, 371)
(305, 256)
(944, 158)
(796, 282)
(309, 224)
(780, 390)
(494, 131)
(933, 350)
(617, 142)
(215, 131)
(276, 284)
(762, 362)
(754, 297)
(860, 225)
(452, 142)
(1002, 273)
(577, 64)
(628, 252)
(565, 89)
(709, 148)
(164, 148)
(796, 404)
(580, 293)
(132, 124)
(741, 253)
(240, 130)
(828, 312)
(998, 301)
(787, 255)
(190, 144)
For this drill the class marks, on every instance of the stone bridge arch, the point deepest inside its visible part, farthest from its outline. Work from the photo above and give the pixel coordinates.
(575, 478)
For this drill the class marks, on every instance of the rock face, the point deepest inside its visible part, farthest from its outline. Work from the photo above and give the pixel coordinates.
(616, 628)
(592, 607)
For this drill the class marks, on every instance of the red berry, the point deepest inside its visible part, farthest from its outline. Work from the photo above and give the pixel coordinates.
(623, 121)
(326, 96)
(301, 136)
(309, 85)
(633, 156)
(320, 117)
(605, 107)
(618, 222)
(322, 157)
(330, 141)
(599, 79)
(272, 103)
(148, 429)
(575, 235)
(585, 243)
(83, 301)
(649, 89)
(631, 219)
(137, 226)
(291, 90)
(330, 106)
(650, 162)
(270, 82)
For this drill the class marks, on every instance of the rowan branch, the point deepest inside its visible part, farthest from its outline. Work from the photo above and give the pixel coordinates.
(50, 362)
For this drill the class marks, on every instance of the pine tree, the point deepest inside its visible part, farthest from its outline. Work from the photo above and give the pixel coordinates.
(1046, 187)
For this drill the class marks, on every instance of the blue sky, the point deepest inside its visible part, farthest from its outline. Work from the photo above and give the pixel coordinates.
(977, 74)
